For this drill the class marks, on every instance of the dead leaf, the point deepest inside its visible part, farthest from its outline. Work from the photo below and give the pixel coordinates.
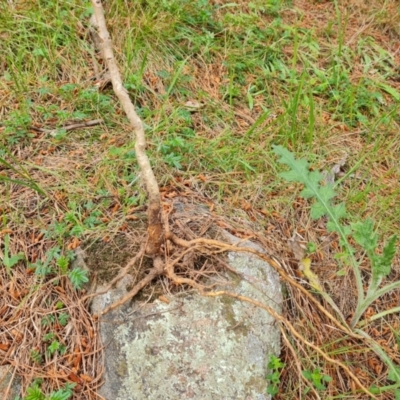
(193, 105)
(246, 206)
(74, 244)
(74, 378)
(86, 378)
(4, 346)
(309, 274)
(297, 247)
(77, 360)
(202, 177)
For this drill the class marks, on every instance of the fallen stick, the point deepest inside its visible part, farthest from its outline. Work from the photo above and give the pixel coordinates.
(78, 125)
(155, 228)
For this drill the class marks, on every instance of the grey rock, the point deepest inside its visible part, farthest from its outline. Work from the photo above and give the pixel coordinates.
(195, 347)
(10, 385)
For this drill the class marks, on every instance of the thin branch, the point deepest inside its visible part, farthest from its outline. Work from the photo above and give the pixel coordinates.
(78, 125)
(155, 229)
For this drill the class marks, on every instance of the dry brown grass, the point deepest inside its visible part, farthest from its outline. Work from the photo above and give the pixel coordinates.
(80, 166)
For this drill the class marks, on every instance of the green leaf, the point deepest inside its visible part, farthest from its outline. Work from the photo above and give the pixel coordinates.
(272, 390)
(29, 182)
(383, 263)
(63, 319)
(339, 211)
(275, 363)
(388, 89)
(54, 346)
(78, 277)
(49, 336)
(299, 172)
(318, 210)
(63, 263)
(364, 235)
(299, 168)
(34, 393)
(8, 261)
(63, 394)
(36, 356)
(392, 373)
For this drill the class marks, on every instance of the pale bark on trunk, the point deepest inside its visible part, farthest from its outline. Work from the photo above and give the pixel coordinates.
(155, 228)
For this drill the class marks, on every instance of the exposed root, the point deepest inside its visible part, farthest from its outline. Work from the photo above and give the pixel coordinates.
(216, 247)
(212, 247)
(293, 331)
(156, 271)
(121, 274)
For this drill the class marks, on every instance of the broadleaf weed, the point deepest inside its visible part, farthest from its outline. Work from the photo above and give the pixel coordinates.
(364, 234)
(362, 231)
(317, 378)
(9, 260)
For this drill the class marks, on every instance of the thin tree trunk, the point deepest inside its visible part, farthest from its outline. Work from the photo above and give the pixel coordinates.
(155, 229)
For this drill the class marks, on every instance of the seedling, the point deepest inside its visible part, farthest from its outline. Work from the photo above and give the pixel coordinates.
(10, 260)
(317, 378)
(276, 366)
(78, 277)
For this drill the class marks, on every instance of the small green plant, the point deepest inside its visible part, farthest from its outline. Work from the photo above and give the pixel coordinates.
(55, 262)
(17, 126)
(63, 319)
(172, 150)
(317, 378)
(311, 248)
(275, 365)
(36, 356)
(45, 267)
(56, 346)
(362, 232)
(34, 392)
(63, 263)
(10, 260)
(78, 277)
(49, 336)
(47, 320)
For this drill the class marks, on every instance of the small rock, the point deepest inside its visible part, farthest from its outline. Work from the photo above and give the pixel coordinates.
(194, 347)
(9, 387)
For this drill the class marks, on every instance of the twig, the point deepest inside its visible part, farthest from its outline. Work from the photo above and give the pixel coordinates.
(78, 125)
(155, 229)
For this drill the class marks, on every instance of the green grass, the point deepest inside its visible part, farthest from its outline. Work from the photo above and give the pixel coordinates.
(264, 73)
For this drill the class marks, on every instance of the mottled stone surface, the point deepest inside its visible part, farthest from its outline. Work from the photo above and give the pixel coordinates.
(195, 347)
(10, 385)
